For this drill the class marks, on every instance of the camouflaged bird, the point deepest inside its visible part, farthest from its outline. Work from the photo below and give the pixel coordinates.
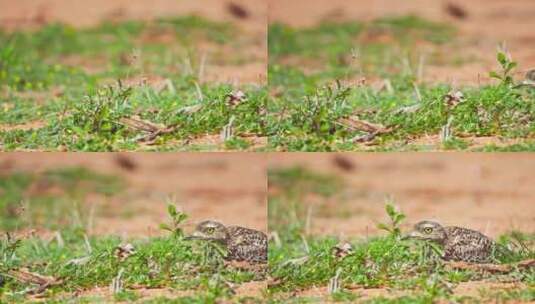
(459, 244)
(530, 78)
(242, 244)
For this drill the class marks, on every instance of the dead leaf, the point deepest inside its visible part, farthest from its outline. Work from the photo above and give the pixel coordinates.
(355, 124)
(235, 98)
(190, 109)
(26, 277)
(453, 98)
(153, 130)
(526, 264)
(124, 251)
(341, 250)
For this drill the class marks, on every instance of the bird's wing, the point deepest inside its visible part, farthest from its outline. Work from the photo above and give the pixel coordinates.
(247, 244)
(467, 245)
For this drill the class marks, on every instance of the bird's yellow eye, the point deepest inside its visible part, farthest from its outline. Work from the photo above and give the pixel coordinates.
(428, 230)
(210, 230)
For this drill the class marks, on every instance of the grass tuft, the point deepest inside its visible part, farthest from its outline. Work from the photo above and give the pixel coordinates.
(299, 261)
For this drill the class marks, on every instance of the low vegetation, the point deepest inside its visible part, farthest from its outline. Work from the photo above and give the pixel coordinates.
(126, 86)
(405, 271)
(60, 261)
(359, 86)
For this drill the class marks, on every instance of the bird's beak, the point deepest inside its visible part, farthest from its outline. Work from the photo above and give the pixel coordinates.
(411, 235)
(194, 236)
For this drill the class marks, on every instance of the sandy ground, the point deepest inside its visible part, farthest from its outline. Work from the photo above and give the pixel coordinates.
(486, 24)
(100, 294)
(252, 19)
(492, 193)
(469, 289)
(229, 187)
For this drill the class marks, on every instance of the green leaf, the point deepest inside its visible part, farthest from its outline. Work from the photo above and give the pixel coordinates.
(399, 217)
(493, 74)
(165, 227)
(502, 59)
(171, 209)
(510, 66)
(182, 217)
(383, 227)
(390, 210)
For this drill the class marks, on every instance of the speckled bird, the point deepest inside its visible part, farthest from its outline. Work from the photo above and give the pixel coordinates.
(530, 77)
(242, 244)
(459, 244)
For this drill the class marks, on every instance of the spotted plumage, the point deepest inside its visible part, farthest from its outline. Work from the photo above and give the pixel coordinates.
(458, 244)
(530, 76)
(242, 244)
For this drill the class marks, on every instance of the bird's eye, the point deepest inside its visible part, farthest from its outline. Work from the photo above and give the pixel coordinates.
(210, 230)
(428, 230)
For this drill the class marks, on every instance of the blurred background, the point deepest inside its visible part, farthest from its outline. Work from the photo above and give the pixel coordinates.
(167, 56)
(16, 14)
(345, 194)
(127, 194)
(480, 26)
(248, 17)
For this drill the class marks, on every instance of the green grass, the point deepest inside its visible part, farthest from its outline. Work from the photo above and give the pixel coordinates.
(43, 199)
(58, 201)
(300, 261)
(71, 86)
(309, 72)
(32, 60)
(83, 264)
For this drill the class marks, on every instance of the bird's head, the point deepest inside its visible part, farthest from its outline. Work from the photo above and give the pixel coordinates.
(428, 231)
(530, 75)
(210, 231)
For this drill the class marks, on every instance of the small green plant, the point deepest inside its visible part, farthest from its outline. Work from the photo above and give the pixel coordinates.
(102, 111)
(343, 296)
(506, 74)
(126, 296)
(396, 217)
(20, 207)
(237, 144)
(8, 247)
(177, 218)
(72, 106)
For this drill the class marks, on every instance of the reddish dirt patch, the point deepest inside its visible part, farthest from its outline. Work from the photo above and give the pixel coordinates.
(491, 193)
(216, 142)
(475, 289)
(481, 288)
(249, 289)
(39, 97)
(227, 187)
(363, 293)
(487, 24)
(100, 294)
(23, 127)
(434, 143)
